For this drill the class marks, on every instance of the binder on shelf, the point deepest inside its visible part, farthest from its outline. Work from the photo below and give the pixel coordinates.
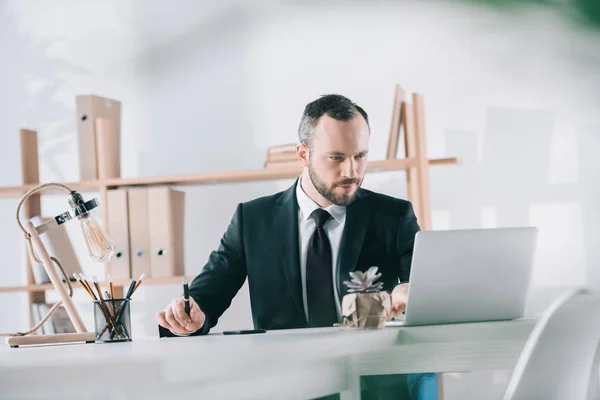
(108, 148)
(118, 229)
(166, 217)
(139, 240)
(90, 108)
(59, 245)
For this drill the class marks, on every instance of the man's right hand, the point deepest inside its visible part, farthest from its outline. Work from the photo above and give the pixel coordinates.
(174, 318)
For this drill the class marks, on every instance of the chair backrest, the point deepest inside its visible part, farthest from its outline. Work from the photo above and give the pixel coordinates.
(560, 360)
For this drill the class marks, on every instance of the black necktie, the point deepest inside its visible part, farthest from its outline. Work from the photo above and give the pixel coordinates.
(319, 280)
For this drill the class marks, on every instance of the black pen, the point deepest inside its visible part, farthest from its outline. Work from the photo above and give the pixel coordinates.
(186, 295)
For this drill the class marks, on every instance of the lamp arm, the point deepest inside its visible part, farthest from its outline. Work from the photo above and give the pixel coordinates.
(34, 256)
(31, 192)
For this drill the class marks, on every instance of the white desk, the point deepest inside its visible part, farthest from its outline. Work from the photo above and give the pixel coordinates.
(294, 364)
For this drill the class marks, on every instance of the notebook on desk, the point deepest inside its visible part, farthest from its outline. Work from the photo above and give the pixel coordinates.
(472, 275)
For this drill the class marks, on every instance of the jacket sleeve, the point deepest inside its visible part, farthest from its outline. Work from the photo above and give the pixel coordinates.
(221, 278)
(408, 228)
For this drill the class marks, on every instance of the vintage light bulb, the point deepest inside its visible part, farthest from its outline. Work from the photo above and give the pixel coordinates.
(99, 245)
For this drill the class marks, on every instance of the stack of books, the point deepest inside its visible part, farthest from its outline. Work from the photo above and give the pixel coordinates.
(282, 156)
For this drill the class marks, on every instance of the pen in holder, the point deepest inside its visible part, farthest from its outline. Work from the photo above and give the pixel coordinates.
(112, 317)
(112, 320)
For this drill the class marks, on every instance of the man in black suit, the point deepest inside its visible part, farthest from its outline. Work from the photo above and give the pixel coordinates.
(297, 247)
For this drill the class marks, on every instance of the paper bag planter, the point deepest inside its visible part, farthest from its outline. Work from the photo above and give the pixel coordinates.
(366, 306)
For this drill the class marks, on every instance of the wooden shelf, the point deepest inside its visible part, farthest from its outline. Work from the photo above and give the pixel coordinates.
(257, 175)
(12, 191)
(83, 186)
(18, 191)
(76, 285)
(260, 175)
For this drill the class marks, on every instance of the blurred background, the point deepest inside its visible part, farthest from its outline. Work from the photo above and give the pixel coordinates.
(510, 87)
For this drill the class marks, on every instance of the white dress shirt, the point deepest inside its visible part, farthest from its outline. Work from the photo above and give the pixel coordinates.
(306, 227)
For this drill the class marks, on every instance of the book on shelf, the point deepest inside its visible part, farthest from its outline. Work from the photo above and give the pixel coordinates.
(286, 152)
(59, 322)
(282, 156)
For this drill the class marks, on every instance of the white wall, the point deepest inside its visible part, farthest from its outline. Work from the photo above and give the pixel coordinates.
(513, 94)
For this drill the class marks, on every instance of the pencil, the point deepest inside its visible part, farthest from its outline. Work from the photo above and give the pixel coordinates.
(87, 285)
(110, 284)
(83, 284)
(138, 283)
(95, 281)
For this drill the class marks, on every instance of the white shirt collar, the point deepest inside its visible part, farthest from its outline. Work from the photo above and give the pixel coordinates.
(307, 205)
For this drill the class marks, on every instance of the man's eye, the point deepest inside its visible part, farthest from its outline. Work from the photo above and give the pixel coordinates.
(360, 156)
(336, 158)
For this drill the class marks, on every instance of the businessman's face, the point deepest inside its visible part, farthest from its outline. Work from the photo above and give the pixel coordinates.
(338, 158)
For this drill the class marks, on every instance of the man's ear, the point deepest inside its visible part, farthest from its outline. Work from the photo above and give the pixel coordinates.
(302, 152)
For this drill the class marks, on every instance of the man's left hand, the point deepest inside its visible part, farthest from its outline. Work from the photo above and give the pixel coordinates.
(399, 299)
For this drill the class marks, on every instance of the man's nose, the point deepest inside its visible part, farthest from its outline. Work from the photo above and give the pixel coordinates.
(349, 168)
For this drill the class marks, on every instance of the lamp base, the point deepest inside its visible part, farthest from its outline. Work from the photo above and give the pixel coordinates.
(16, 341)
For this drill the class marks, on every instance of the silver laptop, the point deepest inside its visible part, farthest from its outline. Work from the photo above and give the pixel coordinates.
(471, 275)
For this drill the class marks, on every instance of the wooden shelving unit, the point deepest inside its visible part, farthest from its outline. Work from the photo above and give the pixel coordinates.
(416, 165)
(258, 175)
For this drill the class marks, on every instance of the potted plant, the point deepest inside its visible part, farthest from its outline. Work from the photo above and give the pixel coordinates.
(366, 306)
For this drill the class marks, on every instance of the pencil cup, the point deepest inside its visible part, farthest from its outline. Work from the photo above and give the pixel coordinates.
(112, 320)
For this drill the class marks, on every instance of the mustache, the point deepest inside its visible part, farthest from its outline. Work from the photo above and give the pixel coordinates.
(347, 182)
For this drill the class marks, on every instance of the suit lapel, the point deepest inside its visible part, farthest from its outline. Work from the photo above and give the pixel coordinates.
(286, 231)
(358, 214)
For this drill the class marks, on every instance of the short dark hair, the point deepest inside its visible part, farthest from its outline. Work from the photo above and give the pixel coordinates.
(335, 106)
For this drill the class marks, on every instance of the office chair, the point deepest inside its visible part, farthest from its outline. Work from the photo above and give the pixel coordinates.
(560, 360)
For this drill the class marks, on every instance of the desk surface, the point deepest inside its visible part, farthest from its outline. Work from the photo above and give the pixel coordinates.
(216, 363)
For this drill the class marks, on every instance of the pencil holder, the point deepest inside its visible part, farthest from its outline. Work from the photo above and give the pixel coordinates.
(112, 319)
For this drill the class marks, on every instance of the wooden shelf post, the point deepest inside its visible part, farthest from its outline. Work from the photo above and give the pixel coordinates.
(31, 176)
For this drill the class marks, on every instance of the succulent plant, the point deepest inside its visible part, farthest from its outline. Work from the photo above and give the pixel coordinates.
(364, 282)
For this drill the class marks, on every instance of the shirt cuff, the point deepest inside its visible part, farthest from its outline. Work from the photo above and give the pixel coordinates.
(181, 334)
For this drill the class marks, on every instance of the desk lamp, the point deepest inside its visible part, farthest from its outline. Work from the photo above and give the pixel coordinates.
(100, 248)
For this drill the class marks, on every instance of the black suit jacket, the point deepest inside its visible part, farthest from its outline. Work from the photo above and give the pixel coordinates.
(262, 244)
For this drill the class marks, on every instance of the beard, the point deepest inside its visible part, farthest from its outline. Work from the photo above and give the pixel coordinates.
(328, 192)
